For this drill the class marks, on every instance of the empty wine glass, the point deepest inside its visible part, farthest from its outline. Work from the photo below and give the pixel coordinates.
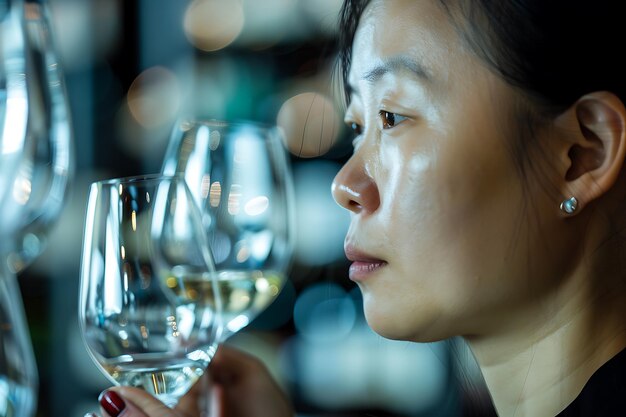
(35, 165)
(36, 153)
(18, 370)
(149, 306)
(239, 175)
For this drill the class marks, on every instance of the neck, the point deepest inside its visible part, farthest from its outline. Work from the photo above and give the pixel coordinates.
(541, 365)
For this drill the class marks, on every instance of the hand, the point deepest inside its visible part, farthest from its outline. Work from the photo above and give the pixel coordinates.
(245, 387)
(242, 384)
(135, 402)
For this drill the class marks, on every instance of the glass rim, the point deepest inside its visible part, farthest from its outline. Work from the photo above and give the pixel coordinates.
(138, 179)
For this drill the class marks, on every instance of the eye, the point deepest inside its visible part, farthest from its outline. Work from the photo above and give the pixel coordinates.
(390, 120)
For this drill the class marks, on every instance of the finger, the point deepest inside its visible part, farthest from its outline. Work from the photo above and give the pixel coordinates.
(230, 365)
(111, 404)
(194, 400)
(145, 402)
(132, 402)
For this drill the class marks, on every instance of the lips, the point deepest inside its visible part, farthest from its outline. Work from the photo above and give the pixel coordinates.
(363, 264)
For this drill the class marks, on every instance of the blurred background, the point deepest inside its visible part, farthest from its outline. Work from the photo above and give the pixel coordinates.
(132, 67)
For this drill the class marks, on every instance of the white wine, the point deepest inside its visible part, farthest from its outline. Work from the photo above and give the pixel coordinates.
(244, 294)
(162, 375)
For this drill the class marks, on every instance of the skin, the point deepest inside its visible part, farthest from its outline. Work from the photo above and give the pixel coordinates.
(450, 239)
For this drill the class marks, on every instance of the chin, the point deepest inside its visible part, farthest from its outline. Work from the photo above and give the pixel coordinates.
(398, 325)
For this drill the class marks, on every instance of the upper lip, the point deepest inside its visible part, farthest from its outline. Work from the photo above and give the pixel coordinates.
(357, 255)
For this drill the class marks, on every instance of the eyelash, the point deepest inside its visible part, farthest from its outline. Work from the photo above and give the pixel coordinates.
(390, 120)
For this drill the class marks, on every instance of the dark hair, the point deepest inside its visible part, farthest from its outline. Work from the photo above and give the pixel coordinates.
(555, 51)
(349, 17)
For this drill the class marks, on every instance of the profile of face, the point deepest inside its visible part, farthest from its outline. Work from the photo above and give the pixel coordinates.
(440, 236)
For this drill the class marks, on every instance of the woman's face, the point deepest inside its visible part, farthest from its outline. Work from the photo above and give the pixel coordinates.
(439, 239)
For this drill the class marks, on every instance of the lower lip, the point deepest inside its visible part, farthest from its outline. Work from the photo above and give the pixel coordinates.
(359, 270)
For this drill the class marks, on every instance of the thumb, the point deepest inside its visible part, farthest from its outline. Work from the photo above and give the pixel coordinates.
(132, 402)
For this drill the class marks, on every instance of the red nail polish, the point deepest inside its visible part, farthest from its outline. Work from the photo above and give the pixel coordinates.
(112, 403)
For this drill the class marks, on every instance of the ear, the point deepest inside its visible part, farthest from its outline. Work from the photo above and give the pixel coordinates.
(595, 146)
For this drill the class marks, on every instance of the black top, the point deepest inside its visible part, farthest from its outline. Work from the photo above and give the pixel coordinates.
(604, 395)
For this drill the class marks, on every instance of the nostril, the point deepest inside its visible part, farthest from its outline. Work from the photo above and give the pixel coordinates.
(354, 206)
(345, 196)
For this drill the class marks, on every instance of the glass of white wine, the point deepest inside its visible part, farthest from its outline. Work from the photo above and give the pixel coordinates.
(239, 175)
(141, 322)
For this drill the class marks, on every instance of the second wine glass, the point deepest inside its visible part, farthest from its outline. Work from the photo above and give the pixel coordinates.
(149, 304)
(240, 176)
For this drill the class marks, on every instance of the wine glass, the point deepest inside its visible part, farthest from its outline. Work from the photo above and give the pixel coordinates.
(35, 166)
(239, 175)
(36, 152)
(18, 370)
(149, 308)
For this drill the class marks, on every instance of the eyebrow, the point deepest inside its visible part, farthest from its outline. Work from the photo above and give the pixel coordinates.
(396, 64)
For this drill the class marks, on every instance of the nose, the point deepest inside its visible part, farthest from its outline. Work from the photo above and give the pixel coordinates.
(354, 188)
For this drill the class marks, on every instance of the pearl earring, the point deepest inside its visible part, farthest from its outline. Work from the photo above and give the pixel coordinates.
(569, 206)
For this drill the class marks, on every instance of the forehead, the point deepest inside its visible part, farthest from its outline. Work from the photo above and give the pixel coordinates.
(418, 29)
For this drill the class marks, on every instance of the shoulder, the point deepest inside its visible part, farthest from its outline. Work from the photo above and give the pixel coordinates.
(604, 394)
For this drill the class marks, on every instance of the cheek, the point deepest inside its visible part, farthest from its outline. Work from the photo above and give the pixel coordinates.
(450, 225)
(450, 215)
(434, 198)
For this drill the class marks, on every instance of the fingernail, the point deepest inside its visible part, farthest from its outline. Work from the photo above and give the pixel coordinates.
(112, 403)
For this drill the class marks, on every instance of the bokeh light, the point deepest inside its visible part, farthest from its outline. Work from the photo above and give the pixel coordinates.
(321, 224)
(145, 118)
(324, 313)
(154, 97)
(340, 363)
(211, 25)
(310, 123)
